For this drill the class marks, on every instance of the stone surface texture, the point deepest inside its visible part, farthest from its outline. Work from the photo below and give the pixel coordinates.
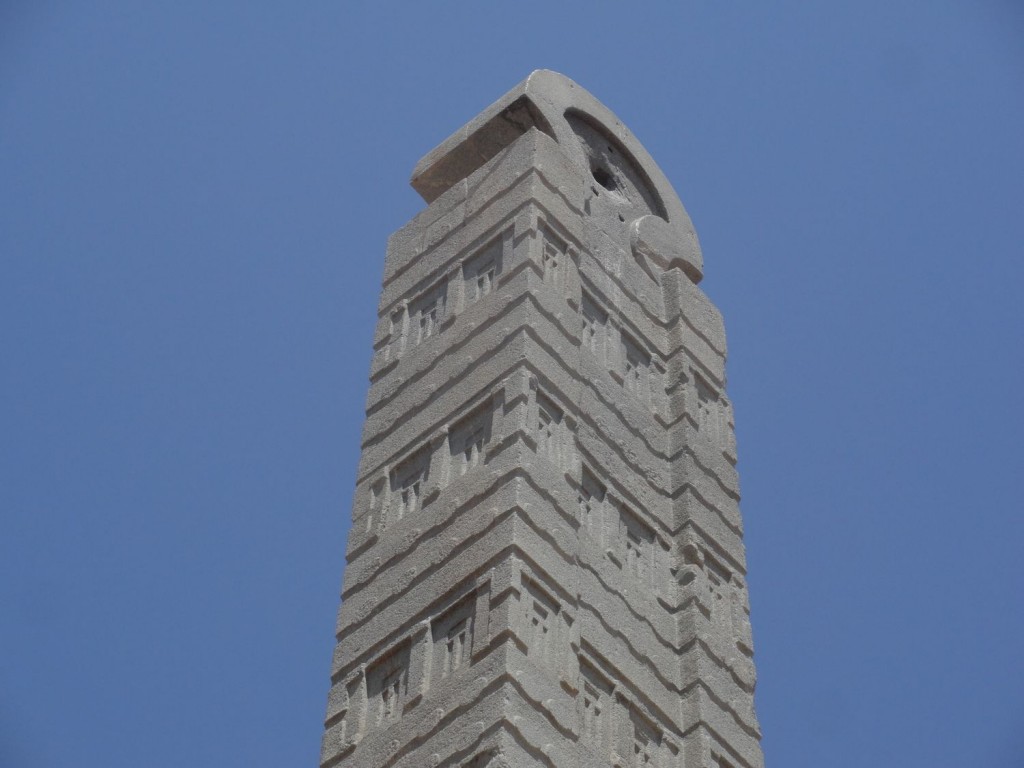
(546, 562)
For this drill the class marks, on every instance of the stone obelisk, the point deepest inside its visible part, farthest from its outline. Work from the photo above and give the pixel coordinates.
(546, 564)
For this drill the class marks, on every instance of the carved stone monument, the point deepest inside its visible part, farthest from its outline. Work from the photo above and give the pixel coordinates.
(546, 563)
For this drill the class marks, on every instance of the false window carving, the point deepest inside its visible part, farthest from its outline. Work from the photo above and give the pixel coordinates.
(457, 643)
(387, 686)
(554, 254)
(541, 617)
(595, 325)
(636, 545)
(707, 410)
(374, 504)
(426, 314)
(396, 336)
(595, 709)
(354, 691)
(719, 578)
(591, 501)
(472, 448)
(408, 481)
(453, 639)
(548, 429)
(481, 271)
(343, 727)
(636, 368)
(468, 440)
(727, 604)
(646, 743)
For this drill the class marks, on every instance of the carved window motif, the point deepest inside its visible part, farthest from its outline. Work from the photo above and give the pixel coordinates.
(552, 259)
(595, 321)
(456, 646)
(595, 708)
(453, 638)
(541, 614)
(373, 512)
(391, 696)
(387, 686)
(539, 628)
(347, 721)
(469, 438)
(592, 713)
(646, 743)
(481, 271)
(473, 447)
(407, 483)
(396, 338)
(636, 372)
(642, 754)
(636, 541)
(549, 420)
(634, 553)
(718, 576)
(485, 280)
(409, 496)
(428, 317)
(591, 499)
(348, 729)
(343, 727)
(643, 750)
(426, 314)
(707, 409)
(553, 256)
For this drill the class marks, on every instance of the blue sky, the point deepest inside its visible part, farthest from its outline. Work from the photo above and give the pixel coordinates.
(194, 204)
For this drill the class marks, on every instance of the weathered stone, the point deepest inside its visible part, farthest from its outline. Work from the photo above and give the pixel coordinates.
(545, 566)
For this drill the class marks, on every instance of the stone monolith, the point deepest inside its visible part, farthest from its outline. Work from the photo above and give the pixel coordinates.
(546, 564)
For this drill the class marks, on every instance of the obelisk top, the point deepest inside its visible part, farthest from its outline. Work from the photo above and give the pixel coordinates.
(594, 139)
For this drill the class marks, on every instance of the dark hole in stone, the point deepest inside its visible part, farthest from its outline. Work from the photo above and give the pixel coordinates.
(605, 179)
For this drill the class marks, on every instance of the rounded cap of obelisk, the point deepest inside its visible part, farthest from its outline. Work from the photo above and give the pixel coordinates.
(552, 103)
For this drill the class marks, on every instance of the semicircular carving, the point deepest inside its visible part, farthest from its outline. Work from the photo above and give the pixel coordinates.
(614, 168)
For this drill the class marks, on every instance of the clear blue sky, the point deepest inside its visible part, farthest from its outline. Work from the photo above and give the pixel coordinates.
(194, 203)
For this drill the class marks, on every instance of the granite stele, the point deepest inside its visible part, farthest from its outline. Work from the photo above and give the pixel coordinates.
(546, 563)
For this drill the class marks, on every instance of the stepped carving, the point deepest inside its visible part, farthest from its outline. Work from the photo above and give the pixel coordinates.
(545, 566)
